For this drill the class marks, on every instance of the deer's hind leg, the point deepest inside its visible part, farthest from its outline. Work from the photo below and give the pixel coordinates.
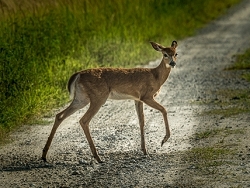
(94, 107)
(75, 105)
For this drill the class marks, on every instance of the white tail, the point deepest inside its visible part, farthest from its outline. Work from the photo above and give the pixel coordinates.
(95, 86)
(72, 85)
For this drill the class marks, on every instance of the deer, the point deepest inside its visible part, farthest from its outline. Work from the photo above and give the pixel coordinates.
(95, 86)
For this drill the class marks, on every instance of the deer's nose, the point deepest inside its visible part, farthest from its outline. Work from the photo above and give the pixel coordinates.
(172, 63)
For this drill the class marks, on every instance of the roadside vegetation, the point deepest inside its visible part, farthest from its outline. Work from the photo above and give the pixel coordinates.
(43, 42)
(242, 63)
(234, 101)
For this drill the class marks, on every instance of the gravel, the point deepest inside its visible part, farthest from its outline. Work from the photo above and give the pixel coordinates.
(115, 130)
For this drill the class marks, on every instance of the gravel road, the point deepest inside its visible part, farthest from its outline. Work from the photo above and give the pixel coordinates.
(198, 75)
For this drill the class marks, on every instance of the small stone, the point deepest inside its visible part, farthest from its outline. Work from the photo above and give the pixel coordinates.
(75, 173)
(81, 161)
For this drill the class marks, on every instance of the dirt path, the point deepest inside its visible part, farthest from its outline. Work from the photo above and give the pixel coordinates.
(115, 130)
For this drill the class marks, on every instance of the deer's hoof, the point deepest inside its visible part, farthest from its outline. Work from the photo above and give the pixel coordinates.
(98, 159)
(44, 159)
(164, 140)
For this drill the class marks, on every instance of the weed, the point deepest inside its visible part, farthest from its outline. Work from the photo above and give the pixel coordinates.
(40, 121)
(242, 62)
(206, 156)
(230, 102)
(222, 132)
(206, 134)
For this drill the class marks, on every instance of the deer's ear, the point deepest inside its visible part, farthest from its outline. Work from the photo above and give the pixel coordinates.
(174, 44)
(156, 46)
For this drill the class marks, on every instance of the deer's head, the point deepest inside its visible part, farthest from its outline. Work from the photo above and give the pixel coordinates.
(169, 53)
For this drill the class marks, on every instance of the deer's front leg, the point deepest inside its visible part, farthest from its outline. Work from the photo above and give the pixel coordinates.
(152, 103)
(139, 110)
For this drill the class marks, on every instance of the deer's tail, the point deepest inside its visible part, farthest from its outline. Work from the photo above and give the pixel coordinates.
(72, 84)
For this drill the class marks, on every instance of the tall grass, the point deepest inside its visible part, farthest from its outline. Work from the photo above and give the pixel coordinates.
(43, 42)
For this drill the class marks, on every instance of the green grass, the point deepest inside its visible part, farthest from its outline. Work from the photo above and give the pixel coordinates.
(214, 151)
(205, 157)
(229, 102)
(223, 132)
(206, 134)
(43, 42)
(242, 63)
(216, 154)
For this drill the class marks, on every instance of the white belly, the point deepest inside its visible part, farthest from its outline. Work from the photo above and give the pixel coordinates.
(120, 96)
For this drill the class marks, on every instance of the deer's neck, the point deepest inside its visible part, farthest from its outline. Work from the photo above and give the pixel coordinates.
(162, 71)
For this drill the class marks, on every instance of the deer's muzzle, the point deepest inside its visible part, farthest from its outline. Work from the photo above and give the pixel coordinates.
(172, 64)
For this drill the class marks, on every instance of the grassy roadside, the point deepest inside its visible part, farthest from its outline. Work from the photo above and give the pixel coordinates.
(242, 63)
(233, 102)
(42, 43)
(222, 151)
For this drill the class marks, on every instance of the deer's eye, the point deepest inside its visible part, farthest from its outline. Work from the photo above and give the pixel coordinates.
(175, 55)
(165, 55)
